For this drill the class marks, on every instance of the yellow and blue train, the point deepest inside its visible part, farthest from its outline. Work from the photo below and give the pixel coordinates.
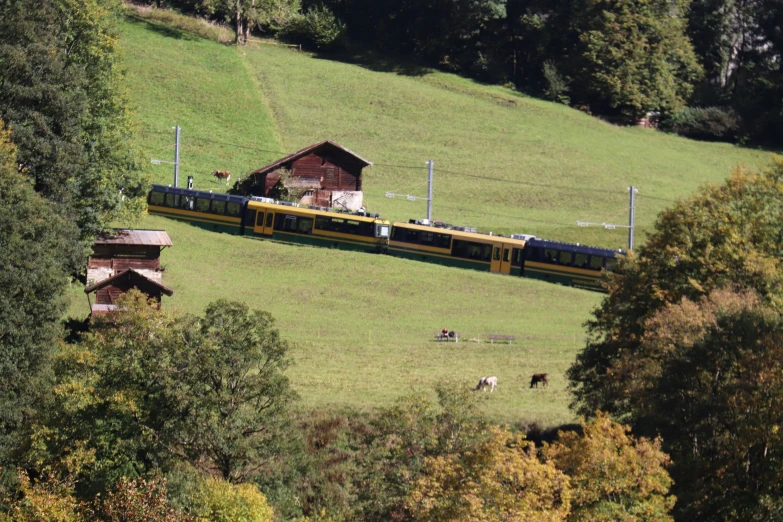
(525, 256)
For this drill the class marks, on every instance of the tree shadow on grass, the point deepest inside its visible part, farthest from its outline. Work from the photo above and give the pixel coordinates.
(376, 62)
(162, 30)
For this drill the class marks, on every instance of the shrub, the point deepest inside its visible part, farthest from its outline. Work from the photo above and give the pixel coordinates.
(710, 123)
(219, 501)
(318, 28)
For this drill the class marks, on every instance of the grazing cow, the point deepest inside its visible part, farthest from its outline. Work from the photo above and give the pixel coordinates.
(539, 377)
(491, 382)
(222, 175)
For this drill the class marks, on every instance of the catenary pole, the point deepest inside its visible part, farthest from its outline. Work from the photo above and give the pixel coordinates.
(176, 158)
(430, 165)
(631, 217)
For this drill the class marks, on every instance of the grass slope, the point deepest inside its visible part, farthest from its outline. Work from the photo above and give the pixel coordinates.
(363, 325)
(176, 78)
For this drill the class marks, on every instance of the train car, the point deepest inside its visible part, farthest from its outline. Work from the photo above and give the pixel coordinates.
(568, 264)
(316, 226)
(218, 212)
(264, 217)
(455, 247)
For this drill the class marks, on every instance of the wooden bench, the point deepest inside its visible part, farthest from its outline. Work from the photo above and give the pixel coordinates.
(498, 337)
(440, 336)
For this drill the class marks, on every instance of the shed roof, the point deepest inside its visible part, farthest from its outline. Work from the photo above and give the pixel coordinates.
(131, 274)
(135, 237)
(307, 150)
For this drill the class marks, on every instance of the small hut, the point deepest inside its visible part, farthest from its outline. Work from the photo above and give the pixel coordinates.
(108, 291)
(125, 259)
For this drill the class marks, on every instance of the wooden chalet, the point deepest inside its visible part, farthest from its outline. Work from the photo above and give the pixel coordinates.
(109, 290)
(125, 259)
(326, 174)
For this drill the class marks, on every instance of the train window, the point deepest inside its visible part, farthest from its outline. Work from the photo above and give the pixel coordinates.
(322, 222)
(186, 202)
(610, 263)
(305, 225)
(442, 240)
(506, 255)
(566, 258)
(234, 209)
(285, 222)
(596, 262)
(534, 253)
(202, 204)
(170, 200)
(580, 260)
(157, 198)
(516, 256)
(487, 253)
(496, 255)
(269, 216)
(218, 207)
(550, 256)
(382, 231)
(260, 219)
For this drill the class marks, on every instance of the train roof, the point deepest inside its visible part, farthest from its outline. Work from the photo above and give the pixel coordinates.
(198, 193)
(367, 216)
(461, 233)
(571, 247)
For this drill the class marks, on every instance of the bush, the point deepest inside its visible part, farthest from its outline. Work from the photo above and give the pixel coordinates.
(219, 501)
(318, 28)
(710, 123)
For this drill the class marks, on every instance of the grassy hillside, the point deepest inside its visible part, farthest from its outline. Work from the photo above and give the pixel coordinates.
(558, 165)
(363, 325)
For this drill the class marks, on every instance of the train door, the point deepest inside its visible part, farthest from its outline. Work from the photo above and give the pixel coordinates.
(258, 225)
(505, 259)
(496, 263)
(269, 222)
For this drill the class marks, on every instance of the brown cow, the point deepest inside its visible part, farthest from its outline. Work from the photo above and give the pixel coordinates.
(539, 377)
(222, 175)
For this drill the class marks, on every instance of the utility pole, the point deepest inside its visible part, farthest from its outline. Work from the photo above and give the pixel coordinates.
(176, 159)
(612, 226)
(430, 165)
(631, 216)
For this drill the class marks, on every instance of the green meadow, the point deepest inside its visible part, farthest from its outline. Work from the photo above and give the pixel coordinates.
(362, 325)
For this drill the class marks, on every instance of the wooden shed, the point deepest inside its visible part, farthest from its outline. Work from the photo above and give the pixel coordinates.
(109, 290)
(124, 249)
(327, 174)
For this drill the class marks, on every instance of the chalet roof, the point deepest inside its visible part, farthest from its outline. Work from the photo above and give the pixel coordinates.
(307, 150)
(135, 237)
(130, 274)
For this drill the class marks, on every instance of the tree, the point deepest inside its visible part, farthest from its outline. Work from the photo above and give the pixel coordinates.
(37, 249)
(715, 391)
(634, 56)
(670, 356)
(612, 475)
(147, 389)
(724, 235)
(61, 92)
(497, 479)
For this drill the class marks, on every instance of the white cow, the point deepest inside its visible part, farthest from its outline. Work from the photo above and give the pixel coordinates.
(491, 382)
